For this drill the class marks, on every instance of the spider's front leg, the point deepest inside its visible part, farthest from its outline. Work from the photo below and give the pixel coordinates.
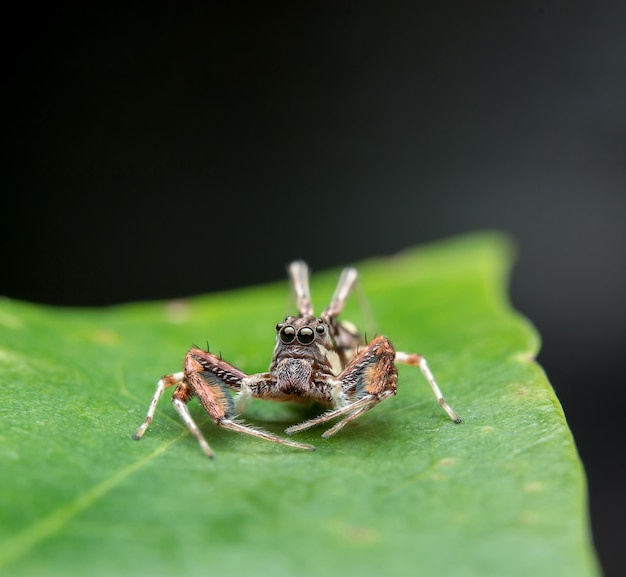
(211, 379)
(368, 379)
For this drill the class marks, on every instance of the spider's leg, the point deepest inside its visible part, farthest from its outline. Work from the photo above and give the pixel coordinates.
(416, 360)
(164, 383)
(357, 413)
(256, 432)
(332, 414)
(299, 273)
(210, 378)
(369, 379)
(346, 337)
(346, 282)
(179, 400)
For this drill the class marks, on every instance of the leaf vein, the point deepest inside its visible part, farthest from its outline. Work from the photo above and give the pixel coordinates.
(22, 542)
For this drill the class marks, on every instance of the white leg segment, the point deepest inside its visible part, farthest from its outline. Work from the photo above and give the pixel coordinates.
(240, 428)
(164, 383)
(328, 415)
(341, 424)
(299, 272)
(419, 361)
(183, 411)
(344, 286)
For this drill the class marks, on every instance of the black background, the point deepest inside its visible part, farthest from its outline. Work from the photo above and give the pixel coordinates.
(156, 152)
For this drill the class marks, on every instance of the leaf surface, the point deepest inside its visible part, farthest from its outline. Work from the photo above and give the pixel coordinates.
(402, 491)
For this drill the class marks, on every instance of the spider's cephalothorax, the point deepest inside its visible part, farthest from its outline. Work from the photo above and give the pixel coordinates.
(316, 359)
(302, 360)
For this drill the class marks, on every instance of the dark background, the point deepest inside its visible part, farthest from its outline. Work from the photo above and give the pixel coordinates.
(157, 152)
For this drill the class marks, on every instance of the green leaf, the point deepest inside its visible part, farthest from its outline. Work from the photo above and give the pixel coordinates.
(402, 491)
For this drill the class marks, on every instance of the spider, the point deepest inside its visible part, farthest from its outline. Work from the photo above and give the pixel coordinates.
(316, 359)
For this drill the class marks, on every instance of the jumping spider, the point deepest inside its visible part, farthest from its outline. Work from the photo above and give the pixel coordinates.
(316, 359)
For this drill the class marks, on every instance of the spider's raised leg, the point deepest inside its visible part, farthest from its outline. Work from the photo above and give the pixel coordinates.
(369, 379)
(211, 379)
(345, 285)
(347, 338)
(299, 273)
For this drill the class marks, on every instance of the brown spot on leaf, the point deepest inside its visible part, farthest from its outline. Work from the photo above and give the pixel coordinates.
(177, 311)
(106, 337)
(533, 487)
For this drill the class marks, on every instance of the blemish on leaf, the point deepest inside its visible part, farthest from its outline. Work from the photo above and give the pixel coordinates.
(520, 390)
(106, 337)
(526, 357)
(358, 533)
(533, 487)
(525, 392)
(530, 517)
(177, 311)
(362, 534)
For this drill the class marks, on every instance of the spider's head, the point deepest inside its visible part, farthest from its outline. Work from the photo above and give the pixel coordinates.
(302, 331)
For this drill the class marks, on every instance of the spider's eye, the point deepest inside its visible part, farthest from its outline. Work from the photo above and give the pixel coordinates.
(279, 326)
(320, 329)
(287, 334)
(306, 335)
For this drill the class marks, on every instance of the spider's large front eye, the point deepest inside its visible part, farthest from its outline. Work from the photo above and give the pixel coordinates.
(287, 334)
(306, 335)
